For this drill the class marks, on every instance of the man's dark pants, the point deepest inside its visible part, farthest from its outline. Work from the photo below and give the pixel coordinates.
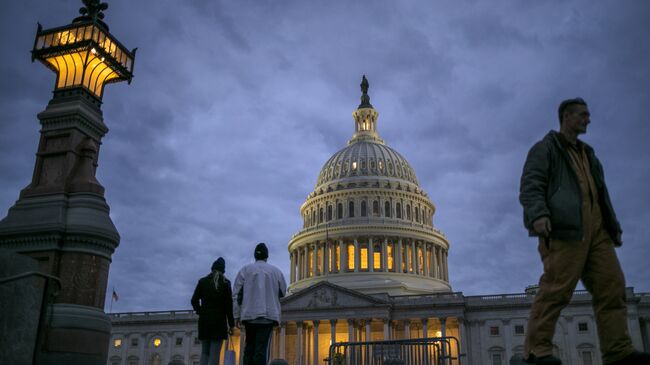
(257, 343)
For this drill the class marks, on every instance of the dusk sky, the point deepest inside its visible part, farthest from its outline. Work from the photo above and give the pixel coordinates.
(236, 105)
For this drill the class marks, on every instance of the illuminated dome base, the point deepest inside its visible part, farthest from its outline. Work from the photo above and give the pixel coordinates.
(379, 282)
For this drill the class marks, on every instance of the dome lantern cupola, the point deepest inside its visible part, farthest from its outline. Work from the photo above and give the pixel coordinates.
(365, 118)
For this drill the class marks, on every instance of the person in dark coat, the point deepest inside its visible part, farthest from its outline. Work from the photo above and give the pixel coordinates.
(212, 301)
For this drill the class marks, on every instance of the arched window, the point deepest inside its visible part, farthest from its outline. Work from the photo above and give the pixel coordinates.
(351, 209)
(408, 211)
(398, 210)
(387, 209)
(329, 213)
(320, 215)
(339, 211)
(363, 208)
(313, 217)
(375, 208)
(417, 214)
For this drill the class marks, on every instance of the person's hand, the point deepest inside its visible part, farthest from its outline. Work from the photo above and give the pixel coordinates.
(237, 323)
(542, 226)
(231, 330)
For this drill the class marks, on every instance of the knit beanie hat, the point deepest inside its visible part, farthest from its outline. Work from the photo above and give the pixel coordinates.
(261, 252)
(219, 265)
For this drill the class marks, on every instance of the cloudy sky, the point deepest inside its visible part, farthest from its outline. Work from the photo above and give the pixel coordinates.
(236, 105)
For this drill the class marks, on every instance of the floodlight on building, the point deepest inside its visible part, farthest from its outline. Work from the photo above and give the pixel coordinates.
(84, 53)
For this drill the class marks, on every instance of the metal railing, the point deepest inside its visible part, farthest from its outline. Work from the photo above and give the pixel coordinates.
(420, 351)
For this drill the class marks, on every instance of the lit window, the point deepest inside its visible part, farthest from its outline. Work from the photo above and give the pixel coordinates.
(420, 261)
(381, 165)
(583, 327)
(389, 257)
(310, 265)
(494, 330)
(156, 342)
(376, 257)
(363, 252)
(338, 254)
(351, 256)
(319, 254)
(117, 343)
(354, 165)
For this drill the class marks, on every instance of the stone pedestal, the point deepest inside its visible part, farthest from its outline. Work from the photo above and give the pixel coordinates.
(62, 221)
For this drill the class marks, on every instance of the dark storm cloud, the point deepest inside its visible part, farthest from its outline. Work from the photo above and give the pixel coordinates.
(235, 107)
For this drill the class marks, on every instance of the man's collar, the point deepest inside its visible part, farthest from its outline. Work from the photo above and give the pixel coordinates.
(565, 142)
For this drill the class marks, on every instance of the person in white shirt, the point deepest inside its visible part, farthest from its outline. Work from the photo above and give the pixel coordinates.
(256, 303)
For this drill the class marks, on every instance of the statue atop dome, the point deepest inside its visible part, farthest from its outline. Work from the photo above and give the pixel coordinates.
(365, 99)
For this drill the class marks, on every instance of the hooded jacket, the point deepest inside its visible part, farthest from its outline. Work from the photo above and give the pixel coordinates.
(257, 292)
(549, 187)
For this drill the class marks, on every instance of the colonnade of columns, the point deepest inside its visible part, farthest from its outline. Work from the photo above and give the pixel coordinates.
(342, 255)
(310, 348)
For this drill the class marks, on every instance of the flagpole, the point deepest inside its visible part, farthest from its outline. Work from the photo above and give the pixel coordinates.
(112, 300)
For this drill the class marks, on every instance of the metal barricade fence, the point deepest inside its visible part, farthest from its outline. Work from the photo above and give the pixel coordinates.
(420, 351)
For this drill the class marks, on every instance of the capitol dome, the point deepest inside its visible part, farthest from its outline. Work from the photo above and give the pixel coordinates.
(363, 159)
(368, 225)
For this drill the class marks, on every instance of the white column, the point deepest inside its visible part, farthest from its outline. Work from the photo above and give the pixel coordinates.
(443, 333)
(384, 255)
(326, 258)
(425, 327)
(414, 257)
(407, 329)
(350, 330)
(386, 329)
(425, 257)
(344, 256)
(314, 260)
(397, 246)
(357, 259)
(305, 258)
(333, 331)
(446, 269)
(463, 340)
(298, 343)
(369, 329)
(315, 351)
(434, 261)
(371, 254)
(507, 334)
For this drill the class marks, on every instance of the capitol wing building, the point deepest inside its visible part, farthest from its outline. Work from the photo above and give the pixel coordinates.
(368, 264)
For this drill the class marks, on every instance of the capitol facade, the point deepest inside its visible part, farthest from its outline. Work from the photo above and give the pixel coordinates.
(369, 264)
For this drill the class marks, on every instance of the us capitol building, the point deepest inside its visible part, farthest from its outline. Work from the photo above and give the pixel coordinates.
(368, 264)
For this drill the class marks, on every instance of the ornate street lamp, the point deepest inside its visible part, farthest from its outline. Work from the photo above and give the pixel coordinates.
(84, 54)
(60, 226)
